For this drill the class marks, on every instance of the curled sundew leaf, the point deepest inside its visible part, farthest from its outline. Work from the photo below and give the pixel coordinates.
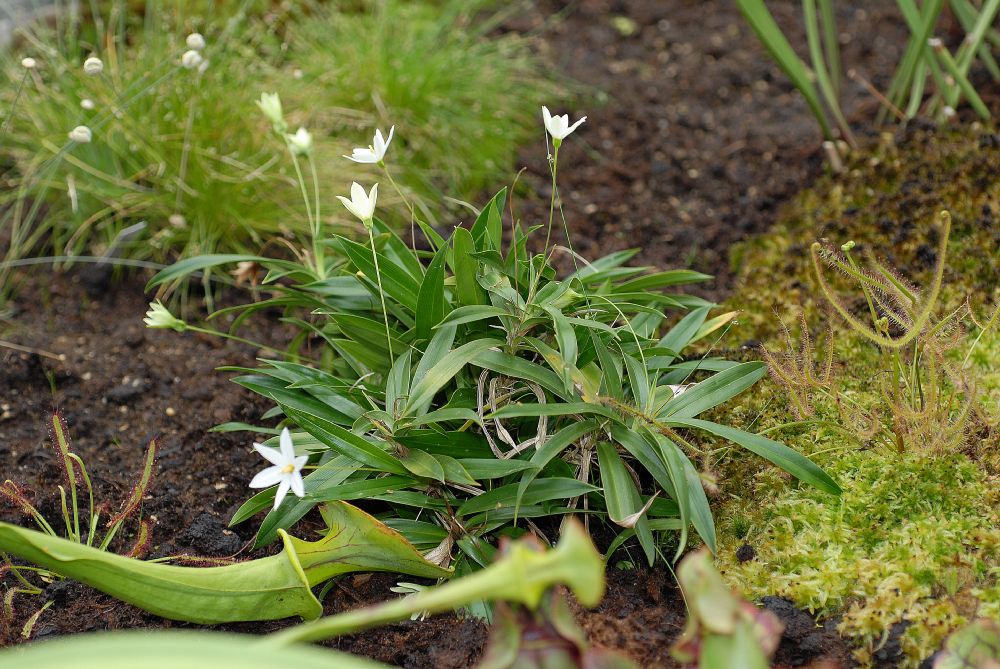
(141, 486)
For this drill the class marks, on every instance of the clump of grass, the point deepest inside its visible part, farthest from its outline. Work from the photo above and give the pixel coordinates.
(926, 60)
(175, 152)
(462, 100)
(172, 148)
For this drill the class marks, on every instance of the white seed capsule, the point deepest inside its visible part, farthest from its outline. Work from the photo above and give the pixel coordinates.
(81, 134)
(195, 41)
(93, 66)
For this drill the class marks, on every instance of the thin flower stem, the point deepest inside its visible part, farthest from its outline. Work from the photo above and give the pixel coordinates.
(13, 106)
(232, 337)
(306, 199)
(552, 201)
(90, 492)
(185, 152)
(535, 278)
(381, 293)
(409, 205)
(317, 247)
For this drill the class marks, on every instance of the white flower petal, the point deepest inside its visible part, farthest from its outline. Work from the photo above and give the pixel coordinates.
(357, 193)
(362, 156)
(350, 205)
(297, 486)
(300, 462)
(575, 125)
(287, 447)
(282, 491)
(272, 455)
(266, 478)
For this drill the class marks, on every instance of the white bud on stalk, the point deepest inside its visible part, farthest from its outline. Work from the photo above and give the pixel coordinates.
(195, 41)
(81, 134)
(93, 66)
(191, 59)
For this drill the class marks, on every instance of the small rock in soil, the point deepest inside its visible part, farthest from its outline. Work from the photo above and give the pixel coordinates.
(96, 279)
(745, 553)
(802, 640)
(63, 590)
(892, 650)
(208, 534)
(126, 392)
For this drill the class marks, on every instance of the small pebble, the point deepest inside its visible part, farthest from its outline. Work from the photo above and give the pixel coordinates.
(171, 411)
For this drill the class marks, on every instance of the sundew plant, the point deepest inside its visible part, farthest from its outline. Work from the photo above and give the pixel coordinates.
(469, 390)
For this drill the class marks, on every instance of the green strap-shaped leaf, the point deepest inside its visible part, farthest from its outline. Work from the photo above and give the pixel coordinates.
(622, 497)
(182, 269)
(346, 442)
(467, 287)
(431, 300)
(440, 374)
(792, 462)
(487, 231)
(713, 391)
(774, 41)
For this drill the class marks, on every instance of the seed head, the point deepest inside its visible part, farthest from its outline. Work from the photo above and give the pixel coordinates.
(195, 41)
(93, 66)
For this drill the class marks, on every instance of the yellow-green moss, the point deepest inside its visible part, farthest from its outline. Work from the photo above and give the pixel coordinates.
(915, 537)
(886, 202)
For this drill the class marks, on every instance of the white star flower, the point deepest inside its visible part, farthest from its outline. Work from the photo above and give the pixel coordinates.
(374, 153)
(286, 472)
(361, 205)
(558, 126)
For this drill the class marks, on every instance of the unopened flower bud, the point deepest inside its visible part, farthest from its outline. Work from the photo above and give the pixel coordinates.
(87, 104)
(29, 63)
(270, 104)
(301, 142)
(847, 246)
(191, 59)
(195, 41)
(93, 66)
(81, 134)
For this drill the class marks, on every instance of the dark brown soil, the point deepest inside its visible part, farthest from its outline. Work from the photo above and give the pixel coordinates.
(697, 137)
(699, 140)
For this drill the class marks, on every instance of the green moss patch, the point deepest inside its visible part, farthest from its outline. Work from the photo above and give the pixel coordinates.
(915, 538)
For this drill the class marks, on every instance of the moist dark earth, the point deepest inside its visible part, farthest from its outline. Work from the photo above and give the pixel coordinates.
(692, 143)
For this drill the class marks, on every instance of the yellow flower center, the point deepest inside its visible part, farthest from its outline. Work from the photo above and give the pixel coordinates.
(288, 469)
